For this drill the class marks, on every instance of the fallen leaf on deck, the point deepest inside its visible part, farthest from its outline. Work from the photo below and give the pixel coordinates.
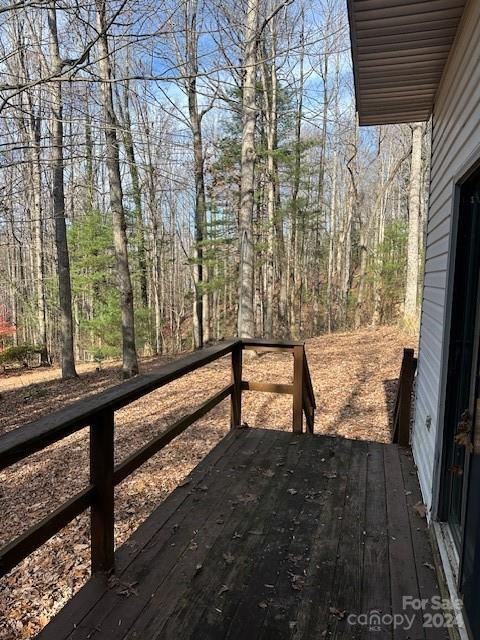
(229, 559)
(298, 582)
(420, 509)
(246, 498)
(127, 589)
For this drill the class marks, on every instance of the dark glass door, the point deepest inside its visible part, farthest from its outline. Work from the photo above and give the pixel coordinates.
(461, 472)
(462, 364)
(470, 574)
(470, 567)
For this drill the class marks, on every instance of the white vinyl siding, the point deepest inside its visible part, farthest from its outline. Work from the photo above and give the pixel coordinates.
(455, 139)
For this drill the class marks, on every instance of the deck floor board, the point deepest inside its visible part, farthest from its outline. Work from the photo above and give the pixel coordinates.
(275, 536)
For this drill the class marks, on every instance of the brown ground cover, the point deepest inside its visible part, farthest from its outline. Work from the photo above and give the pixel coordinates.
(354, 377)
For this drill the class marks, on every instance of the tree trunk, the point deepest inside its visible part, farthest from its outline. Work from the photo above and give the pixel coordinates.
(297, 224)
(89, 168)
(411, 288)
(245, 321)
(38, 237)
(67, 358)
(362, 275)
(270, 94)
(332, 274)
(130, 362)
(321, 190)
(136, 196)
(201, 307)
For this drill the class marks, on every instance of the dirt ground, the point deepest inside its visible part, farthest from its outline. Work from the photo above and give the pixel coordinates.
(354, 377)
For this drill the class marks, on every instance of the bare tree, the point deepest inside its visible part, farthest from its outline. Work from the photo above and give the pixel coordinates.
(201, 319)
(245, 321)
(67, 359)
(411, 288)
(130, 363)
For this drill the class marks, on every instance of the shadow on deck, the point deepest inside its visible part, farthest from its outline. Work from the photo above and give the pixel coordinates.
(273, 535)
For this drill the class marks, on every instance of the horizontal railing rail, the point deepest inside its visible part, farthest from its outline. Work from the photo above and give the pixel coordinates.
(97, 412)
(22, 442)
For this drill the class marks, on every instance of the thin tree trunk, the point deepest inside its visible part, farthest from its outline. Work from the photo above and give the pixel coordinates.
(38, 237)
(411, 288)
(359, 310)
(270, 94)
(90, 173)
(32, 129)
(201, 306)
(321, 191)
(67, 357)
(245, 321)
(157, 229)
(332, 274)
(136, 195)
(297, 230)
(130, 362)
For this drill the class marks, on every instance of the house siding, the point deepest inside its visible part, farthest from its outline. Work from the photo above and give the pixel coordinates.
(455, 144)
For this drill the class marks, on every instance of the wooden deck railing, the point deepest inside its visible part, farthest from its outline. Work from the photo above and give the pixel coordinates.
(98, 412)
(403, 402)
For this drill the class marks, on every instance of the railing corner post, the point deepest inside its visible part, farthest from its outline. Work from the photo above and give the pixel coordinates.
(298, 355)
(404, 410)
(102, 516)
(236, 399)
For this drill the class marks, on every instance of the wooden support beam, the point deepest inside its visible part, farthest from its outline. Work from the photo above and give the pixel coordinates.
(101, 476)
(403, 402)
(268, 387)
(298, 388)
(261, 348)
(236, 397)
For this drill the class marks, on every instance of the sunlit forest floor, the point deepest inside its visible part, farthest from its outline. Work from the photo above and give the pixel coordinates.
(354, 376)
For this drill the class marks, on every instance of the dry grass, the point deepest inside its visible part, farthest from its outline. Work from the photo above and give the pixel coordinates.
(354, 377)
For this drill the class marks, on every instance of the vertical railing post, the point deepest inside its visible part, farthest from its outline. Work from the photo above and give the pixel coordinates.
(101, 475)
(298, 388)
(236, 400)
(405, 397)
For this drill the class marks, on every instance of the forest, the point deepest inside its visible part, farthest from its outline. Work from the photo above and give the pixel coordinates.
(175, 172)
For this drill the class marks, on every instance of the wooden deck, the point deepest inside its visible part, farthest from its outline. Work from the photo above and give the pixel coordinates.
(274, 535)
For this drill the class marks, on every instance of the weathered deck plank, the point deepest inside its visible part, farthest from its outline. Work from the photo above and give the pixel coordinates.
(276, 535)
(403, 570)
(376, 581)
(427, 582)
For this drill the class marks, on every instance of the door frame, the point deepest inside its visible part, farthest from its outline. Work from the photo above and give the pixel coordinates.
(438, 483)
